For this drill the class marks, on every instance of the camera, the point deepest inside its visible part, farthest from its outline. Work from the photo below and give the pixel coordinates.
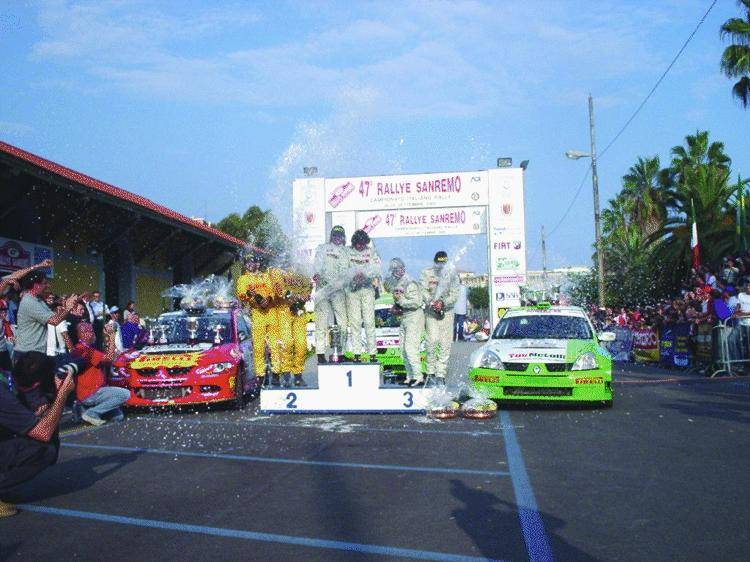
(72, 367)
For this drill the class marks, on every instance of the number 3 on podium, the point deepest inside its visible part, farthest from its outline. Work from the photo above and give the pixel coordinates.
(409, 399)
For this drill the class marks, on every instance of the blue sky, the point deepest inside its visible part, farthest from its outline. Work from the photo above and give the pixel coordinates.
(209, 107)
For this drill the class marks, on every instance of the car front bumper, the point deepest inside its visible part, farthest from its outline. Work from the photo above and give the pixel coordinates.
(573, 386)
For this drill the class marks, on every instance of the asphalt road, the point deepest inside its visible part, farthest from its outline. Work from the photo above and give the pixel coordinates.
(663, 475)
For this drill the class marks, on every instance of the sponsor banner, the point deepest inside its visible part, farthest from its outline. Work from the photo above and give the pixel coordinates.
(510, 278)
(505, 296)
(681, 355)
(510, 242)
(703, 351)
(423, 222)
(406, 191)
(309, 218)
(666, 346)
(646, 345)
(621, 348)
(15, 255)
(506, 238)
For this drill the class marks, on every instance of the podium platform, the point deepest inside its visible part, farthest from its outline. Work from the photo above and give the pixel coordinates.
(346, 388)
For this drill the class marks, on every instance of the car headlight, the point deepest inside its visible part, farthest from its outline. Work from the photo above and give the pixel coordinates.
(585, 362)
(221, 367)
(213, 369)
(486, 359)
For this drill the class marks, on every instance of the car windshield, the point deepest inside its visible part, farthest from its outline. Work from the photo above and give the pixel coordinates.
(385, 319)
(539, 326)
(191, 329)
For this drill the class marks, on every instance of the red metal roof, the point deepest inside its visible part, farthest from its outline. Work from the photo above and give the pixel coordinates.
(115, 191)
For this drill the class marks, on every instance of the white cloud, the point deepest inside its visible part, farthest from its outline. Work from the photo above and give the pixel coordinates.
(10, 129)
(414, 58)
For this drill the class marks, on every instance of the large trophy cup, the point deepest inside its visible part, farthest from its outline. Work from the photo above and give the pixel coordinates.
(336, 343)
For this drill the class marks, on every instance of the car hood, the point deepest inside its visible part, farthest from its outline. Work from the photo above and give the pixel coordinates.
(174, 348)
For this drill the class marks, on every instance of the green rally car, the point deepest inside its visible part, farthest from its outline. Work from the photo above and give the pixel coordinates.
(544, 353)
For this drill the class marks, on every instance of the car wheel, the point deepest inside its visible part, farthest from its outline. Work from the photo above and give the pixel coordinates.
(239, 389)
(607, 404)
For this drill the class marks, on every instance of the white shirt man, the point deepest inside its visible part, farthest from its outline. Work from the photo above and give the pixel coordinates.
(743, 299)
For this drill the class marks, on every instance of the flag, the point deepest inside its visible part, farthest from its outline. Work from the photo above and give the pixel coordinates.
(694, 242)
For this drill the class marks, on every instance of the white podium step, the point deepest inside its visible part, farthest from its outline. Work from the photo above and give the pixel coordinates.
(346, 388)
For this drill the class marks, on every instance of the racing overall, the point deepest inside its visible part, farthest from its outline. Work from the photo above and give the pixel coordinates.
(331, 264)
(293, 322)
(439, 330)
(364, 271)
(252, 286)
(408, 295)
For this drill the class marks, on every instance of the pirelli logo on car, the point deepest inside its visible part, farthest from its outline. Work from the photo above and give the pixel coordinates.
(486, 378)
(590, 380)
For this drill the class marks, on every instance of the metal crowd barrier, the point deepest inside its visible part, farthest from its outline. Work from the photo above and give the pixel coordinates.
(731, 345)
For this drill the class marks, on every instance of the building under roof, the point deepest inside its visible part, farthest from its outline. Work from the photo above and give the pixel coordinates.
(101, 236)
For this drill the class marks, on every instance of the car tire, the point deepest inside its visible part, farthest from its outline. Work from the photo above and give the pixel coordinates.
(239, 389)
(607, 404)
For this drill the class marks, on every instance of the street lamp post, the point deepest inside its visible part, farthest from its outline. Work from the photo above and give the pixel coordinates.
(575, 155)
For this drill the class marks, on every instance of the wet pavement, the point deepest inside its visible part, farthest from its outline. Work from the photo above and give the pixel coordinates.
(660, 476)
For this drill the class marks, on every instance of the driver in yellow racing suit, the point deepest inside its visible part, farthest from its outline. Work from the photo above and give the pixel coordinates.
(259, 289)
(293, 325)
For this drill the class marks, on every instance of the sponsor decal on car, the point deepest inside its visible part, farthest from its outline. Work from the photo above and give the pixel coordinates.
(166, 361)
(486, 378)
(590, 380)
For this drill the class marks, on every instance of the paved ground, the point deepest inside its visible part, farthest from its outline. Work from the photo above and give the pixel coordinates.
(663, 475)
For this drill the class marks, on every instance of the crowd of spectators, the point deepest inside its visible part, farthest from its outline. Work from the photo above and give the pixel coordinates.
(709, 295)
(53, 347)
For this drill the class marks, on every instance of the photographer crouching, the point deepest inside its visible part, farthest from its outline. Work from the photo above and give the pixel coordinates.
(95, 401)
(29, 443)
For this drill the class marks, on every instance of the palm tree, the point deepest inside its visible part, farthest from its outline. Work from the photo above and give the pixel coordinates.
(735, 61)
(706, 188)
(645, 195)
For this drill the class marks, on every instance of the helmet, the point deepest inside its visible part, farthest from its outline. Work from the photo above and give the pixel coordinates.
(360, 237)
(338, 230)
(396, 263)
(441, 257)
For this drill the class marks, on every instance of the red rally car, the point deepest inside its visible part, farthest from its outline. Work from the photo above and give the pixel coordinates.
(189, 357)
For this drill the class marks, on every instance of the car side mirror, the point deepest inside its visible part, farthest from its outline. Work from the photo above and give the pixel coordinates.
(607, 336)
(242, 335)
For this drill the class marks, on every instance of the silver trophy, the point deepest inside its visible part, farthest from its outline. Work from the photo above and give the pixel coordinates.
(217, 333)
(163, 328)
(151, 339)
(335, 342)
(192, 326)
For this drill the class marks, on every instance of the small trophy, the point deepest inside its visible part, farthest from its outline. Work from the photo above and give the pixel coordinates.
(163, 336)
(192, 326)
(151, 339)
(217, 331)
(334, 338)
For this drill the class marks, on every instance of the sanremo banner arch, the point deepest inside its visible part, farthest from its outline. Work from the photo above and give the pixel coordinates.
(451, 203)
